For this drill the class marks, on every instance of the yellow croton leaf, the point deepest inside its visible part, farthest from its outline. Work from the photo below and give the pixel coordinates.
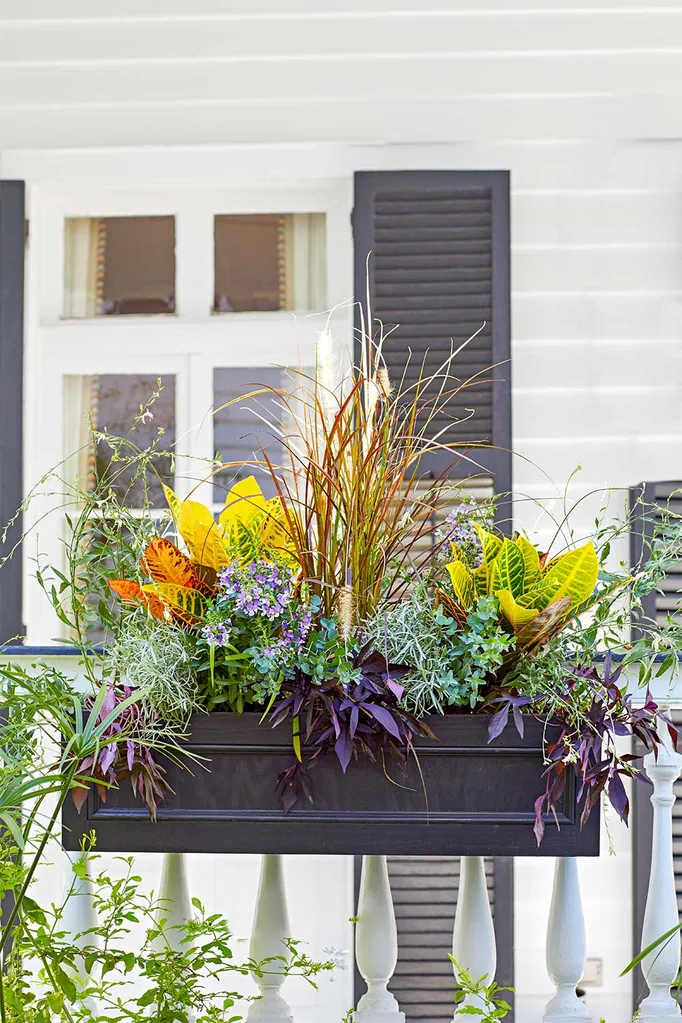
(275, 533)
(189, 605)
(243, 503)
(516, 615)
(462, 583)
(197, 527)
(573, 574)
(508, 569)
(531, 561)
(490, 543)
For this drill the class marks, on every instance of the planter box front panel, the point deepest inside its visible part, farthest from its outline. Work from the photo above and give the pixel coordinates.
(463, 797)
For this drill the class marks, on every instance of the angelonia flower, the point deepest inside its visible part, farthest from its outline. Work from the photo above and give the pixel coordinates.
(295, 628)
(259, 588)
(459, 528)
(217, 634)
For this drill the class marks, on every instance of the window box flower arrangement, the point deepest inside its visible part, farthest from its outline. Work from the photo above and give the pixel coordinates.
(347, 671)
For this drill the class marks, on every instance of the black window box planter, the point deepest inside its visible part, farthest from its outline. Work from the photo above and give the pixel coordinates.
(475, 799)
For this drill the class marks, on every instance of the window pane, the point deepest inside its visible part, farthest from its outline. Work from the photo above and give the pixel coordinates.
(119, 266)
(239, 432)
(270, 261)
(114, 402)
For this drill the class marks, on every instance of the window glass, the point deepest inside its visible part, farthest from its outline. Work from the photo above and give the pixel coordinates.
(119, 266)
(240, 433)
(140, 409)
(270, 261)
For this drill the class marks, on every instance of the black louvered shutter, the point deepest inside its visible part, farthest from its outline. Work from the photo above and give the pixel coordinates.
(648, 502)
(11, 398)
(436, 244)
(438, 249)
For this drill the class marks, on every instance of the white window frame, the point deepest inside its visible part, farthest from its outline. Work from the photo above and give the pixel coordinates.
(189, 343)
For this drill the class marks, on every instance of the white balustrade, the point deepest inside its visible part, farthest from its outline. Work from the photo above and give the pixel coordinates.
(270, 931)
(661, 967)
(473, 939)
(79, 916)
(566, 946)
(175, 906)
(376, 944)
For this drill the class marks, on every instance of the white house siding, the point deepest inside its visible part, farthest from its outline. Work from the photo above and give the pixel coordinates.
(578, 102)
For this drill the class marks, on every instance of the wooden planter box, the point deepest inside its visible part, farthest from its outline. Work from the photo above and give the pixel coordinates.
(475, 799)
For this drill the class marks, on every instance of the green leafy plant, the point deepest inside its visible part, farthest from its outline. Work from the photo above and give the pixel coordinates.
(447, 665)
(475, 997)
(187, 973)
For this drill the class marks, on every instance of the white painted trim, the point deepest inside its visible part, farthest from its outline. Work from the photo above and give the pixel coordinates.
(189, 344)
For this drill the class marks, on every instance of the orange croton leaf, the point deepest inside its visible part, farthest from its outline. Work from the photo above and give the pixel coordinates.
(165, 563)
(132, 593)
(186, 605)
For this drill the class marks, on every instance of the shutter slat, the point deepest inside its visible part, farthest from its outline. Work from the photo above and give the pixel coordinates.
(658, 499)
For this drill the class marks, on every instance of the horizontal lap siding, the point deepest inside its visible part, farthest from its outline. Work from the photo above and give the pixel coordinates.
(597, 321)
(382, 71)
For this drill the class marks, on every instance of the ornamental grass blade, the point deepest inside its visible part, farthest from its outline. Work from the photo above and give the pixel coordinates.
(663, 940)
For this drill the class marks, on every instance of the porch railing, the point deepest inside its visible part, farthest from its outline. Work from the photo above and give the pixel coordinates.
(473, 943)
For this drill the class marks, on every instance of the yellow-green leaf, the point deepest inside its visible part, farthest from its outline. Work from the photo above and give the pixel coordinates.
(508, 570)
(531, 561)
(198, 529)
(516, 615)
(457, 553)
(183, 602)
(490, 543)
(573, 575)
(462, 583)
(243, 503)
(173, 501)
(480, 577)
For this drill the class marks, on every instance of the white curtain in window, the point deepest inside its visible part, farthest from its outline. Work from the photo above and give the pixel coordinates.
(80, 404)
(306, 261)
(81, 238)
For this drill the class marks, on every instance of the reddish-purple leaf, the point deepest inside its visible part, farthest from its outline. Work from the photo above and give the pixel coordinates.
(395, 687)
(618, 797)
(518, 720)
(79, 796)
(498, 722)
(344, 750)
(539, 826)
(385, 719)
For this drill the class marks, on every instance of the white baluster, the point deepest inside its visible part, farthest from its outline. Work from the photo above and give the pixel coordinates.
(566, 945)
(270, 930)
(376, 944)
(175, 906)
(660, 967)
(473, 939)
(79, 916)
